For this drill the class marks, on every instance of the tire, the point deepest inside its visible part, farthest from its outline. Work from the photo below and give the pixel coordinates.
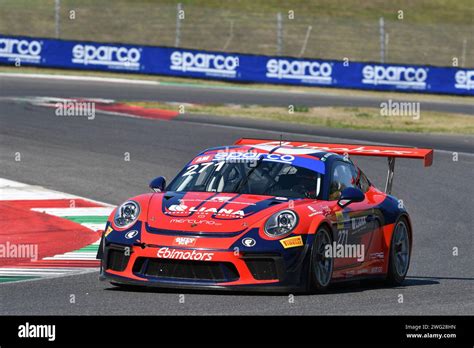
(321, 267)
(400, 253)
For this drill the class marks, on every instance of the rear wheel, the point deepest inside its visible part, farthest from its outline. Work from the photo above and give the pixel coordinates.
(321, 266)
(399, 254)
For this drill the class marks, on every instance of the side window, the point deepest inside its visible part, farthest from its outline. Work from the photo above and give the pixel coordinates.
(363, 183)
(343, 176)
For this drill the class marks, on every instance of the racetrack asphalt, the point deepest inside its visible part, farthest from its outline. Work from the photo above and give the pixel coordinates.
(86, 158)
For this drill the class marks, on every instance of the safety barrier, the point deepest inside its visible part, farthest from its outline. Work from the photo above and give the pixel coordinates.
(30, 51)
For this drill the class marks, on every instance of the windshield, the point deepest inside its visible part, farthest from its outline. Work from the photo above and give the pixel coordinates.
(257, 177)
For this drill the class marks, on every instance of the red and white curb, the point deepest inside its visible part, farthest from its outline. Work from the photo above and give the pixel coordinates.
(89, 106)
(65, 229)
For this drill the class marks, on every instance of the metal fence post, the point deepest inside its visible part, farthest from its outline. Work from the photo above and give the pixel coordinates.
(382, 40)
(57, 8)
(279, 33)
(463, 54)
(177, 39)
(230, 37)
(305, 42)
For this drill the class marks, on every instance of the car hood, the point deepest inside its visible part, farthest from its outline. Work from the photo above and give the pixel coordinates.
(209, 212)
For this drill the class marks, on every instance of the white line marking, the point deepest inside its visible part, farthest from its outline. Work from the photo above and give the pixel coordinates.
(82, 78)
(76, 211)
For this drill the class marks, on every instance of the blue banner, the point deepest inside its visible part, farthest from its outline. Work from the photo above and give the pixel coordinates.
(236, 67)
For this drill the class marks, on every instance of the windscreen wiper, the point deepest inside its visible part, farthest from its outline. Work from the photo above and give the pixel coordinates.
(246, 179)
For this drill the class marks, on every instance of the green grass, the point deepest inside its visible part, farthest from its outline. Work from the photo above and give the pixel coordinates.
(337, 117)
(431, 32)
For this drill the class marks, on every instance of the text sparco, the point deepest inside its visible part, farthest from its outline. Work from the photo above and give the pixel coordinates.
(111, 56)
(208, 63)
(24, 50)
(399, 76)
(303, 70)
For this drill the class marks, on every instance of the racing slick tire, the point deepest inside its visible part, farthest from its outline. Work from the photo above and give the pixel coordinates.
(400, 253)
(321, 267)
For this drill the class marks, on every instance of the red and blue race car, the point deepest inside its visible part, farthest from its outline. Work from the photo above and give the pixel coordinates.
(263, 215)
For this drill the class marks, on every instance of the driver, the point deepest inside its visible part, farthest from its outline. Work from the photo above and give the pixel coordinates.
(301, 181)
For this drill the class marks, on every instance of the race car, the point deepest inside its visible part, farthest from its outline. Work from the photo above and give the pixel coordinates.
(266, 215)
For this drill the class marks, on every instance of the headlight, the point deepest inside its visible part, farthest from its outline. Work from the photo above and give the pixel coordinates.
(127, 214)
(281, 223)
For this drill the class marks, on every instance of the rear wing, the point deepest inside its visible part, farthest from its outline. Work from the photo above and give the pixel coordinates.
(353, 150)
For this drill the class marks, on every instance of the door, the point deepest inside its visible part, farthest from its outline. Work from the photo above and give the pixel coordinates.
(353, 225)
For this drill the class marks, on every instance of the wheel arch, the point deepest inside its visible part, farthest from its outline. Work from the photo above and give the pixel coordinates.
(405, 216)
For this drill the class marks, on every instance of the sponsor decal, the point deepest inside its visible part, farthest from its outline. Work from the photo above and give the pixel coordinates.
(324, 211)
(209, 64)
(301, 70)
(194, 222)
(22, 50)
(237, 157)
(216, 200)
(202, 159)
(377, 256)
(113, 57)
(183, 209)
(184, 241)
(349, 273)
(358, 222)
(167, 253)
(107, 232)
(131, 234)
(376, 270)
(28, 330)
(243, 157)
(342, 236)
(398, 76)
(249, 242)
(464, 79)
(341, 218)
(354, 150)
(292, 242)
(220, 199)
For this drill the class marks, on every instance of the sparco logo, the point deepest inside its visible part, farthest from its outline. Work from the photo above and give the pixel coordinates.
(306, 71)
(111, 56)
(400, 76)
(25, 50)
(167, 253)
(464, 79)
(207, 63)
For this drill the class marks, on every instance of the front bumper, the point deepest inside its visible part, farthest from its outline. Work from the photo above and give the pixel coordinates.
(197, 268)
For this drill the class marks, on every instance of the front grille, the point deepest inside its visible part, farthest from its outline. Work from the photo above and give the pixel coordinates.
(116, 258)
(184, 269)
(262, 268)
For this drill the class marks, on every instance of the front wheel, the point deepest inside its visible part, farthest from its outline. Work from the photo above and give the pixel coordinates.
(321, 266)
(399, 254)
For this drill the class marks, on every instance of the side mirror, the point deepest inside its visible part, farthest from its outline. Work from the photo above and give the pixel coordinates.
(158, 184)
(350, 195)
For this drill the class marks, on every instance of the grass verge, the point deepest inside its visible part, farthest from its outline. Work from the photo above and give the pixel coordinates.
(336, 117)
